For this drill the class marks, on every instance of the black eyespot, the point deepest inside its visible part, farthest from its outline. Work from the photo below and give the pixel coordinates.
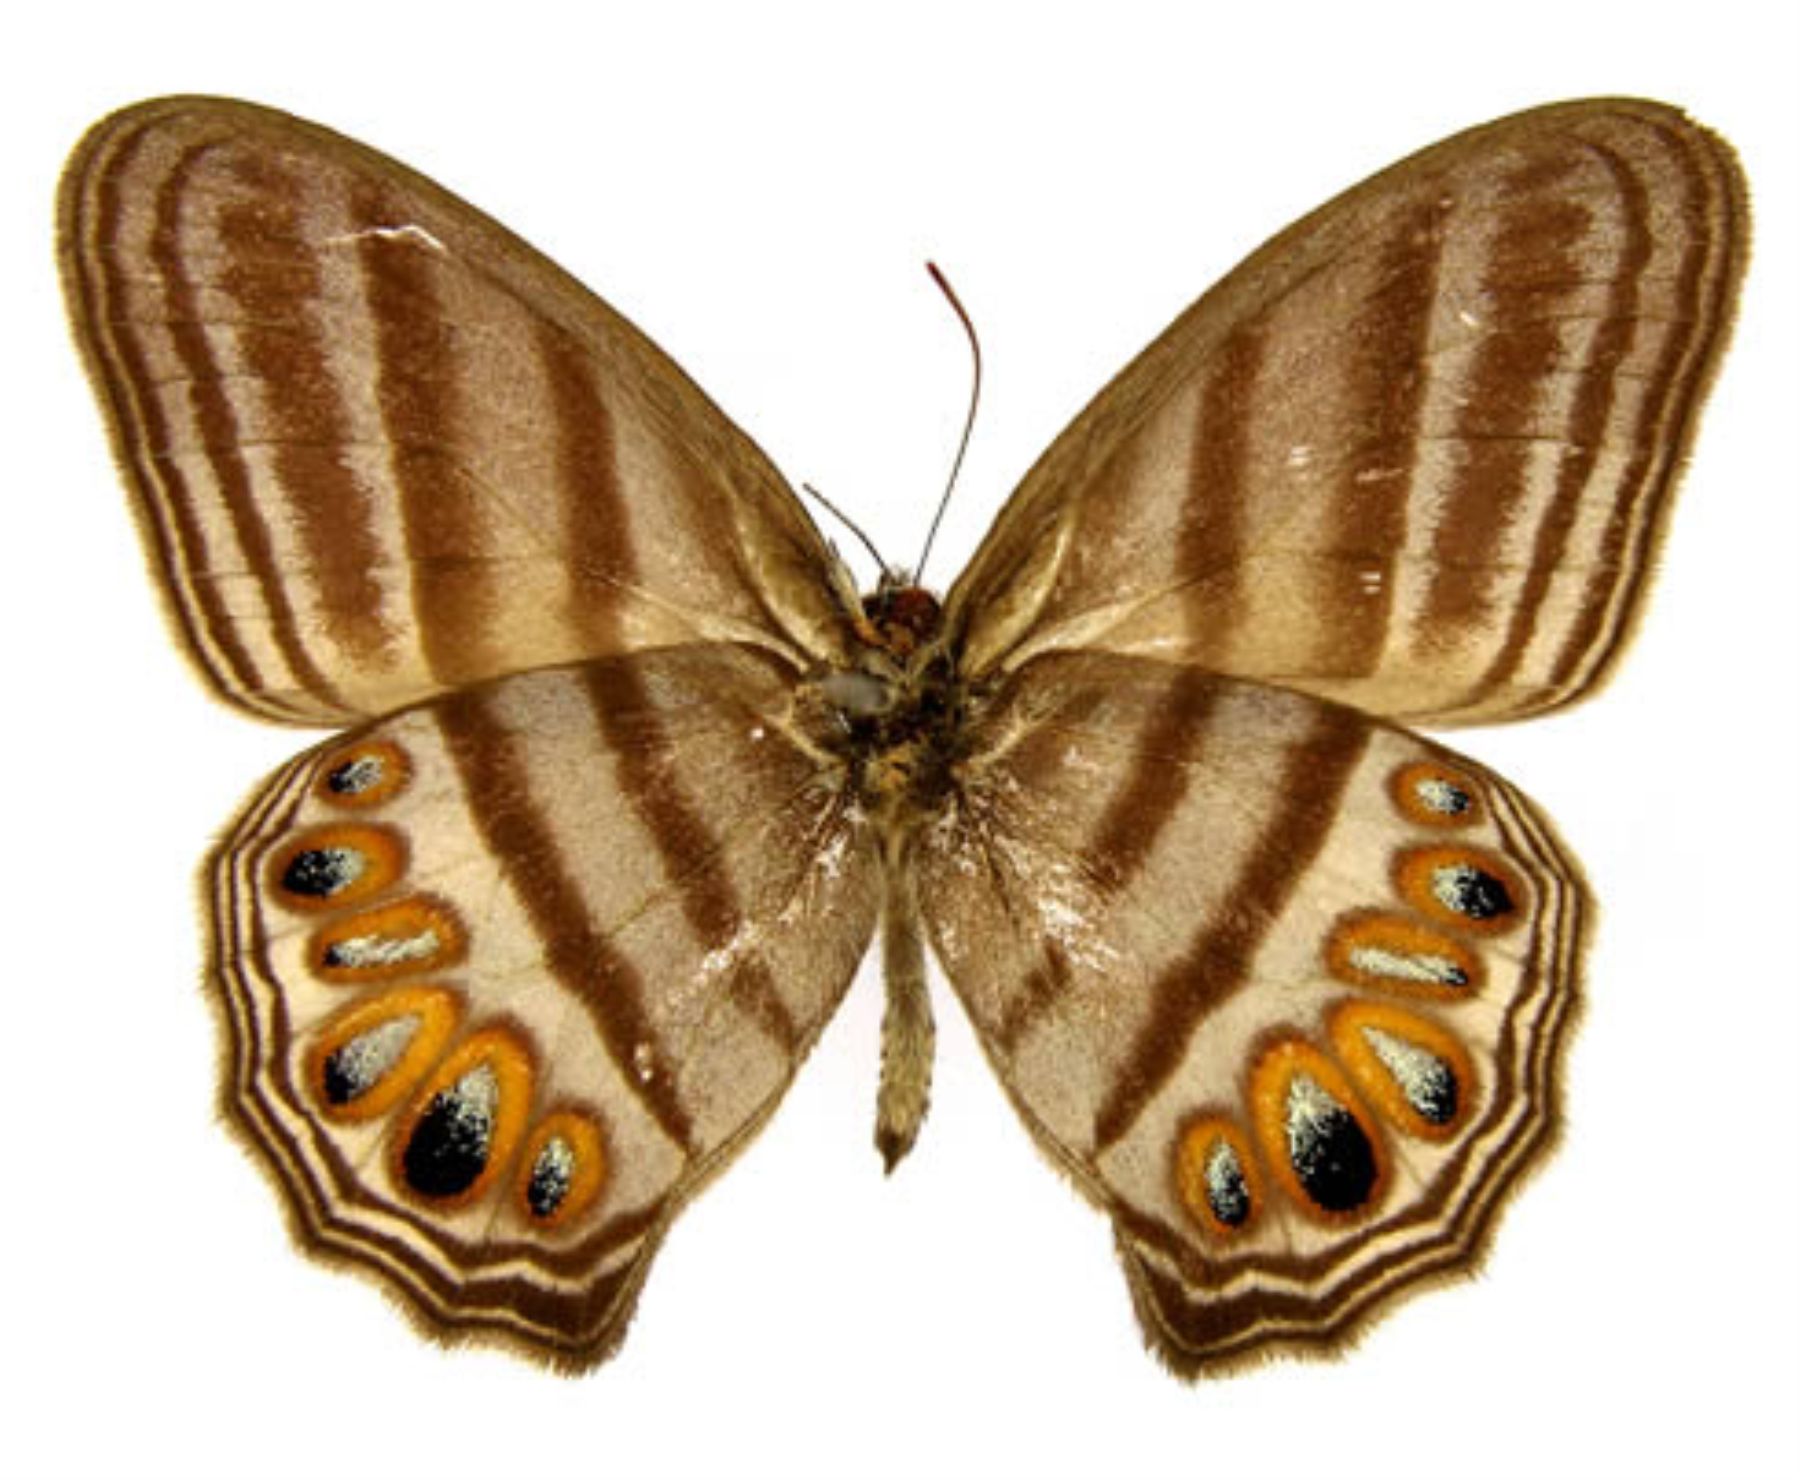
(355, 776)
(1434, 1093)
(319, 873)
(1471, 891)
(552, 1175)
(342, 1083)
(449, 1146)
(1328, 1149)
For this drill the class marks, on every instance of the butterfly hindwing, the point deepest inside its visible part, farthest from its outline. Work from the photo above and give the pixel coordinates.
(381, 448)
(1415, 453)
(509, 974)
(1282, 986)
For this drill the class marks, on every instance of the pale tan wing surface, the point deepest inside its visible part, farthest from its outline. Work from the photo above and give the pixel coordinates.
(381, 448)
(1415, 453)
(509, 974)
(1281, 985)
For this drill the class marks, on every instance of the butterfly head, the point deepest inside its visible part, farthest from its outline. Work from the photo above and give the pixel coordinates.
(902, 617)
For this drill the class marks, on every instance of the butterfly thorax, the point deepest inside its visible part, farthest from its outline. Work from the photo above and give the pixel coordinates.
(894, 714)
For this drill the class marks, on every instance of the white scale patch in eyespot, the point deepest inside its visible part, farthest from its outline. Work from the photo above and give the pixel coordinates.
(1226, 1192)
(451, 1144)
(552, 1174)
(358, 775)
(383, 950)
(1424, 1078)
(368, 1056)
(326, 871)
(1466, 890)
(473, 1099)
(1308, 1106)
(1411, 966)
(1441, 796)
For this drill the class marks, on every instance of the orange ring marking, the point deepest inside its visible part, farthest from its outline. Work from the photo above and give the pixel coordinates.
(437, 1012)
(505, 1054)
(1191, 1166)
(1437, 795)
(405, 938)
(363, 774)
(382, 852)
(1394, 953)
(580, 1133)
(1379, 1080)
(1270, 1080)
(1420, 874)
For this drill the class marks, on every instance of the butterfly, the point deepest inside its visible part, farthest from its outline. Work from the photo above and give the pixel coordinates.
(627, 776)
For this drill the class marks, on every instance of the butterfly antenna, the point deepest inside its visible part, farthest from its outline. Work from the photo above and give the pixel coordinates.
(968, 422)
(848, 523)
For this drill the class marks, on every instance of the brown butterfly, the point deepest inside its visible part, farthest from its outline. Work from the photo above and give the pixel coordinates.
(518, 961)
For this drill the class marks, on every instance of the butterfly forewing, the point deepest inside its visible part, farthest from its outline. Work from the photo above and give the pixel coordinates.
(1281, 985)
(1415, 453)
(381, 448)
(510, 973)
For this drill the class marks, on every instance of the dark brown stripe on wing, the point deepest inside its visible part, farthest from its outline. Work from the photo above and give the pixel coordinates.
(274, 279)
(420, 360)
(174, 532)
(599, 525)
(573, 1323)
(1708, 268)
(1585, 435)
(529, 853)
(1533, 268)
(692, 857)
(1385, 358)
(217, 431)
(1040, 990)
(1212, 531)
(594, 517)
(1312, 786)
(1168, 747)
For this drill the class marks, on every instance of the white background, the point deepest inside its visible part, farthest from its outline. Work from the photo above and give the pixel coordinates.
(758, 185)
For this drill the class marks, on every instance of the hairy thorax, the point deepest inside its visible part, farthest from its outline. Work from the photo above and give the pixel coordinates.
(895, 715)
